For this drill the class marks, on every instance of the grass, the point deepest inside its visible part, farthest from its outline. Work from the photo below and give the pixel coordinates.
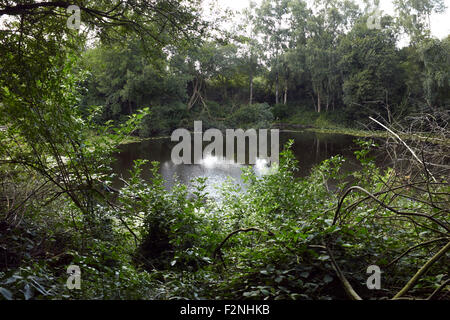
(381, 134)
(331, 123)
(133, 139)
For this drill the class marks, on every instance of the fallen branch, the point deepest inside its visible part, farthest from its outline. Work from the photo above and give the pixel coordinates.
(415, 247)
(347, 286)
(441, 287)
(414, 214)
(421, 271)
(404, 143)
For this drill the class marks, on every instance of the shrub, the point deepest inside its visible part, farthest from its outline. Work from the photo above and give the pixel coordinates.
(282, 111)
(251, 116)
(163, 119)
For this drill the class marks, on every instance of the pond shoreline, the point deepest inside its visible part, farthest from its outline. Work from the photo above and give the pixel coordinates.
(290, 127)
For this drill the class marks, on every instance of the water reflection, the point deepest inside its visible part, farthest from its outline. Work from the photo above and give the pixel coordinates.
(309, 149)
(215, 170)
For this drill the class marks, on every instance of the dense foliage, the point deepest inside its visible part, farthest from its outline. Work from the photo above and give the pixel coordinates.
(328, 60)
(67, 102)
(173, 244)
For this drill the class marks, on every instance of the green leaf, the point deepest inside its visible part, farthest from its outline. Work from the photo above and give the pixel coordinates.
(250, 294)
(6, 293)
(27, 292)
(265, 292)
(327, 278)
(324, 258)
(304, 274)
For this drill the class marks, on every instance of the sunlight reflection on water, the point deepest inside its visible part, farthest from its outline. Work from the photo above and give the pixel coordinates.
(309, 149)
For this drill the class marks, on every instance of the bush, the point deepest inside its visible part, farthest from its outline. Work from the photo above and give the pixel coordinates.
(282, 111)
(251, 116)
(163, 119)
(330, 119)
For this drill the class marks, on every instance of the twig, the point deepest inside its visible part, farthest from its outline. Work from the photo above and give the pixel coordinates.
(347, 286)
(441, 287)
(232, 234)
(416, 214)
(422, 270)
(404, 143)
(415, 247)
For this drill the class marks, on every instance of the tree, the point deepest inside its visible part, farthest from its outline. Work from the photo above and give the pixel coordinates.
(325, 29)
(39, 85)
(272, 23)
(124, 78)
(251, 48)
(161, 20)
(414, 17)
(372, 77)
(205, 62)
(435, 55)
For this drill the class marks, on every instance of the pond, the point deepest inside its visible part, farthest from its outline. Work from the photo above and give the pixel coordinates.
(309, 148)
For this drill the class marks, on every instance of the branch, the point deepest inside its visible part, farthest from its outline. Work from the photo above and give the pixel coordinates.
(415, 247)
(232, 234)
(115, 207)
(441, 287)
(422, 270)
(416, 214)
(25, 8)
(347, 286)
(404, 143)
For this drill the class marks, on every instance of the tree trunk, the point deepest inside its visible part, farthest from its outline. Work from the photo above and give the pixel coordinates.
(194, 96)
(285, 95)
(314, 101)
(251, 90)
(225, 89)
(318, 102)
(276, 91)
(317, 149)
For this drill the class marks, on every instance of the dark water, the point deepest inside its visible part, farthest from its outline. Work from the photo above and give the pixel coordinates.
(309, 148)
